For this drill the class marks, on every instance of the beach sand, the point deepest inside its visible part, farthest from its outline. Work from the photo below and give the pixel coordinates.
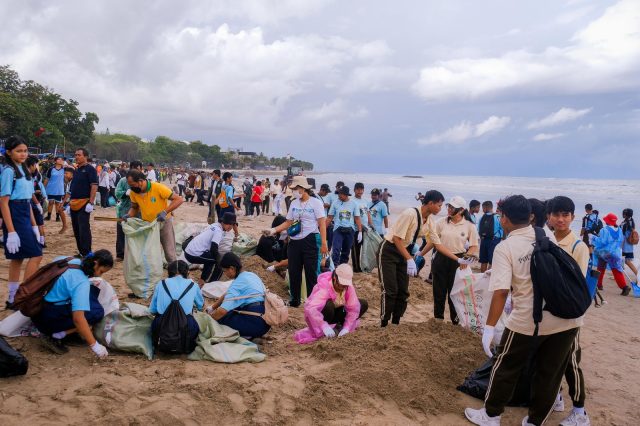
(403, 374)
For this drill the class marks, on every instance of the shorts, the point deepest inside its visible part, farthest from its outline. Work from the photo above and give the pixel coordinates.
(628, 255)
(56, 198)
(487, 246)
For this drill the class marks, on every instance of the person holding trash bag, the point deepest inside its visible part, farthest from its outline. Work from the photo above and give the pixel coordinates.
(203, 249)
(154, 201)
(71, 306)
(242, 306)
(333, 307)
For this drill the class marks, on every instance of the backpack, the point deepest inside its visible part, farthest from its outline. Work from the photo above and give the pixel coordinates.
(633, 238)
(558, 282)
(223, 201)
(30, 296)
(487, 226)
(593, 226)
(172, 335)
(275, 310)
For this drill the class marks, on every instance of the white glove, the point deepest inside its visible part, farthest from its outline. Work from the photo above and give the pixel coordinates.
(271, 268)
(128, 192)
(343, 332)
(88, 208)
(41, 240)
(99, 350)
(465, 260)
(412, 269)
(269, 232)
(360, 237)
(508, 306)
(36, 232)
(67, 210)
(39, 207)
(487, 338)
(13, 242)
(328, 331)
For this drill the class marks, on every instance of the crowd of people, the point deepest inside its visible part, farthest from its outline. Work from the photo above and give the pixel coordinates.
(318, 236)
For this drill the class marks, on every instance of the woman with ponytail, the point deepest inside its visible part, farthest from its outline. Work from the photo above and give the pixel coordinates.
(19, 229)
(71, 306)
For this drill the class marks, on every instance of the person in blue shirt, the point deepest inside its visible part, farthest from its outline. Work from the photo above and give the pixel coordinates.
(177, 283)
(38, 197)
(346, 220)
(20, 232)
(474, 209)
(242, 306)
(379, 213)
(54, 184)
(490, 232)
(71, 306)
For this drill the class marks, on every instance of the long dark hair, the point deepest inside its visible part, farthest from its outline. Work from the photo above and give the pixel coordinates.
(465, 214)
(178, 267)
(629, 223)
(12, 143)
(101, 258)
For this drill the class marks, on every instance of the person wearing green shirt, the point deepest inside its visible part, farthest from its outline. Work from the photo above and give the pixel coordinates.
(123, 206)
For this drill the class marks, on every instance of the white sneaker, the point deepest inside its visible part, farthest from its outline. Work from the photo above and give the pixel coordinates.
(559, 404)
(480, 417)
(576, 419)
(525, 422)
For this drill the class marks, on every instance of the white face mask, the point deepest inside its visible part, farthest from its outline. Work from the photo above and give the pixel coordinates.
(297, 195)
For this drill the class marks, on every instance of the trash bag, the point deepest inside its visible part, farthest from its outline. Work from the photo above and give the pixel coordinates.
(15, 325)
(127, 330)
(143, 257)
(477, 383)
(369, 252)
(245, 245)
(108, 297)
(12, 362)
(112, 201)
(303, 286)
(184, 230)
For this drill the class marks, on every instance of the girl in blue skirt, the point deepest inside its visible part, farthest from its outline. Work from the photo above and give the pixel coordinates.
(20, 233)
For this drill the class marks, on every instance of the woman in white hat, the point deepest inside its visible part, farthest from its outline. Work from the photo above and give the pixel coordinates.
(456, 232)
(307, 231)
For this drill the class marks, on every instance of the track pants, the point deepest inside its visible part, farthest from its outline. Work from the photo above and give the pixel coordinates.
(551, 353)
(394, 283)
(573, 374)
(443, 271)
(304, 253)
(617, 275)
(355, 254)
(341, 246)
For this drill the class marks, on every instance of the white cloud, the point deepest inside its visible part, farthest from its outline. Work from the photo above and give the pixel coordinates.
(467, 130)
(378, 78)
(561, 116)
(604, 56)
(547, 136)
(334, 114)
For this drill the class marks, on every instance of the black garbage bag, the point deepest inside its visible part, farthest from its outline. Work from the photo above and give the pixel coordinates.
(12, 362)
(477, 382)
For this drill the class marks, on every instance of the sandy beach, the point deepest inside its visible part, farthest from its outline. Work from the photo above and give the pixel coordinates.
(403, 374)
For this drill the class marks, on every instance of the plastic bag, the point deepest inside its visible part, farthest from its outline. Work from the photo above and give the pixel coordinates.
(108, 297)
(12, 362)
(127, 330)
(112, 201)
(215, 289)
(142, 257)
(477, 383)
(369, 252)
(183, 230)
(245, 245)
(15, 325)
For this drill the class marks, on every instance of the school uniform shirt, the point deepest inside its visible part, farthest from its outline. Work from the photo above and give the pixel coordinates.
(151, 175)
(201, 243)
(510, 270)
(363, 208)
(113, 176)
(176, 285)
(104, 180)
(229, 190)
(577, 249)
(308, 213)
(153, 201)
(627, 247)
(406, 225)
(55, 181)
(226, 244)
(18, 189)
(344, 214)
(83, 178)
(71, 287)
(454, 235)
(378, 212)
(246, 284)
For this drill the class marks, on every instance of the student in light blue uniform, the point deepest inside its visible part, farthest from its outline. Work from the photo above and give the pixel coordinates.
(346, 220)
(379, 212)
(72, 304)
(20, 232)
(242, 305)
(54, 184)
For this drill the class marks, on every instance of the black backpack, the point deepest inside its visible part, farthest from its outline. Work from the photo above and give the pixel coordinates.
(558, 282)
(172, 336)
(487, 226)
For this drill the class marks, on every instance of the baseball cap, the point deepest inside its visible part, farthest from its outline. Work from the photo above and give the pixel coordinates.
(345, 274)
(325, 187)
(375, 191)
(457, 202)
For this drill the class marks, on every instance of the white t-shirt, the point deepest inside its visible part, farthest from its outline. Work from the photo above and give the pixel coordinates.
(276, 189)
(151, 176)
(307, 213)
(181, 179)
(201, 243)
(226, 244)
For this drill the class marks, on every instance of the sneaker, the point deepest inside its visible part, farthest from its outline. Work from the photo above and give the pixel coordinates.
(626, 291)
(54, 345)
(525, 422)
(559, 404)
(576, 419)
(480, 417)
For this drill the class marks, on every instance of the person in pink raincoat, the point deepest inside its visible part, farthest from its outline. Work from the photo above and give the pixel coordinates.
(333, 305)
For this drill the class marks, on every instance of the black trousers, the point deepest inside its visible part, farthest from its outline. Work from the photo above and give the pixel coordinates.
(104, 196)
(81, 230)
(355, 253)
(551, 354)
(443, 270)
(119, 241)
(255, 208)
(265, 204)
(211, 270)
(333, 315)
(304, 253)
(573, 374)
(287, 202)
(394, 283)
(180, 190)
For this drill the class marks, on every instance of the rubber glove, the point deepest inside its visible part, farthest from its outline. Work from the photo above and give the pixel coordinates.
(125, 217)
(328, 331)
(466, 260)
(508, 306)
(88, 208)
(39, 207)
(343, 332)
(42, 240)
(128, 192)
(271, 268)
(360, 237)
(13, 242)
(99, 350)
(162, 216)
(36, 232)
(412, 269)
(269, 232)
(487, 338)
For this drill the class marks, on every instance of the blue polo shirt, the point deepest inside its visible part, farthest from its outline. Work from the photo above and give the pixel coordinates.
(378, 212)
(344, 213)
(83, 178)
(246, 284)
(55, 181)
(71, 287)
(18, 189)
(176, 285)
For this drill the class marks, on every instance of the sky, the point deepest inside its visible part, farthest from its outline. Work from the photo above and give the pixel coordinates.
(498, 87)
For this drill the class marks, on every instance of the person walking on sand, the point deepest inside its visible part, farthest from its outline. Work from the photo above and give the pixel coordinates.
(385, 198)
(629, 231)
(84, 186)
(345, 215)
(608, 249)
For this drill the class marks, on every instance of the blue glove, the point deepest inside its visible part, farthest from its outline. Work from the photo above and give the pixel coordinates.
(162, 216)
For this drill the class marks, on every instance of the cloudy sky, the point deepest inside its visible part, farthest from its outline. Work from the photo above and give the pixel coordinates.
(498, 87)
